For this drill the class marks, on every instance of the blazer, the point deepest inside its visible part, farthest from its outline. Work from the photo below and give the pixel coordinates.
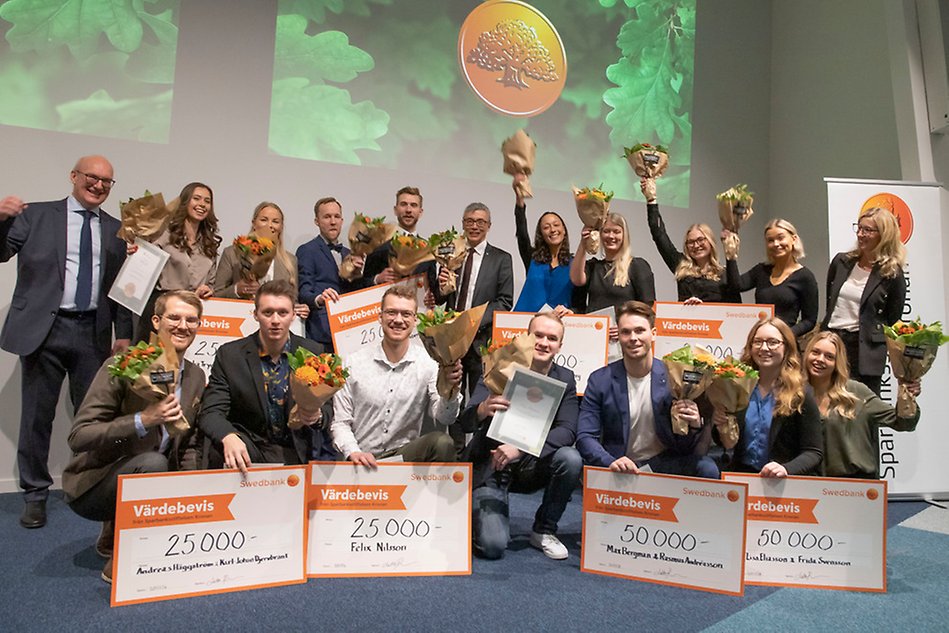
(38, 238)
(881, 304)
(229, 272)
(235, 401)
(603, 426)
(318, 271)
(795, 441)
(562, 432)
(494, 286)
(104, 432)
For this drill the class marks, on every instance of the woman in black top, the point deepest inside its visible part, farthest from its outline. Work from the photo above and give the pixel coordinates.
(783, 282)
(699, 275)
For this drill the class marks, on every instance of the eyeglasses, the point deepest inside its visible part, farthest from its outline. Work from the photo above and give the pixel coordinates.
(407, 315)
(175, 319)
(478, 222)
(92, 179)
(696, 242)
(864, 230)
(768, 343)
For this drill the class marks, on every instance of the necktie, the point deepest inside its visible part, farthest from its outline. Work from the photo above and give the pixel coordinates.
(465, 281)
(84, 281)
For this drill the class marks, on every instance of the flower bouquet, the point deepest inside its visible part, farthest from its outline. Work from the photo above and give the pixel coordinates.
(447, 335)
(519, 152)
(256, 254)
(593, 205)
(912, 347)
(647, 161)
(730, 390)
(151, 371)
(145, 217)
(313, 381)
(734, 207)
(450, 249)
(365, 235)
(689, 369)
(408, 251)
(500, 358)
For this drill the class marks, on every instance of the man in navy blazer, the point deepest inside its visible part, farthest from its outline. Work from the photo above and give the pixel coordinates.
(318, 265)
(625, 418)
(499, 467)
(61, 320)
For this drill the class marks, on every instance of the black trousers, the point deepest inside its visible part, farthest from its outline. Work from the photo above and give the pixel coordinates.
(852, 345)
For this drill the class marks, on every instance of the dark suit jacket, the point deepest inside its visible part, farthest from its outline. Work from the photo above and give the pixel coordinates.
(494, 286)
(318, 271)
(795, 441)
(229, 272)
(603, 427)
(881, 304)
(235, 401)
(378, 260)
(38, 238)
(104, 430)
(562, 432)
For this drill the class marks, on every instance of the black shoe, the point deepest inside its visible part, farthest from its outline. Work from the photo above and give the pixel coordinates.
(34, 514)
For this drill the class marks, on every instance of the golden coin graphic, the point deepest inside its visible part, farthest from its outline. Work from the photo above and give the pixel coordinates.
(512, 57)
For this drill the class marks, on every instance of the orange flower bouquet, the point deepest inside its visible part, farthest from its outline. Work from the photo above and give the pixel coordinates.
(450, 249)
(732, 384)
(501, 357)
(256, 254)
(313, 381)
(689, 369)
(408, 252)
(519, 152)
(447, 335)
(144, 217)
(646, 160)
(912, 347)
(593, 205)
(365, 235)
(151, 371)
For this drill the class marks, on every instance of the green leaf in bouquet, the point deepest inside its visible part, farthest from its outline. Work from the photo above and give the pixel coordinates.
(436, 316)
(298, 358)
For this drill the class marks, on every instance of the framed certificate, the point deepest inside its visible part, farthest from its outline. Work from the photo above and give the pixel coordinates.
(534, 400)
(203, 532)
(137, 277)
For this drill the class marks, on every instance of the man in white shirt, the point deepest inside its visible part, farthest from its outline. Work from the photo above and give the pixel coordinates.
(625, 417)
(391, 386)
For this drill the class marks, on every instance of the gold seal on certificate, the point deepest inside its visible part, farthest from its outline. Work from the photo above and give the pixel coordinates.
(534, 400)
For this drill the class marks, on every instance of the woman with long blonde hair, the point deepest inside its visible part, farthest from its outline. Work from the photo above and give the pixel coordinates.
(267, 221)
(700, 276)
(851, 414)
(779, 432)
(866, 288)
(783, 281)
(615, 278)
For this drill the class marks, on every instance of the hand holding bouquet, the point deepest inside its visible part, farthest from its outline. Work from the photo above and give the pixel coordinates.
(450, 250)
(519, 152)
(689, 369)
(256, 254)
(646, 160)
(730, 390)
(365, 235)
(313, 381)
(408, 252)
(501, 358)
(151, 370)
(593, 205)
(912, 348)
(734, 207)
(144, 217)
(447, 335)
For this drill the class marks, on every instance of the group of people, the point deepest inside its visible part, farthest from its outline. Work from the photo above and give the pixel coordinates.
(811, 416)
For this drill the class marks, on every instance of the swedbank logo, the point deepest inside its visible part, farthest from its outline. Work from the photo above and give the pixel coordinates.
(895, 205)
(512, 57)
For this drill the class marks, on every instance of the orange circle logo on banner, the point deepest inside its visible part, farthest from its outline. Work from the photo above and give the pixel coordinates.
(293, 480)
(512, 57)
(872, 494)
(733, 495)
(458, 476)
(896, 206)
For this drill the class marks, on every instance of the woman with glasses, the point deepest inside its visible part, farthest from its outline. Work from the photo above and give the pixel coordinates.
(699, 275)
(865, 291)
(851, 414)
(783, 281)
(267, 221)
(779, 434)
(547, 260)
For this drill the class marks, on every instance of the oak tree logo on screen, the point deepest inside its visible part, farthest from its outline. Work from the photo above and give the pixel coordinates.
(895, 205)
(512, 57)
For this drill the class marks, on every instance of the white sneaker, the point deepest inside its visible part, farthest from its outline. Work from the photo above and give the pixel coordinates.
(550, 545)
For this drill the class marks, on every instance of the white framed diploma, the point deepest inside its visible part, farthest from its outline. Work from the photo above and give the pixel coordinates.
(138, 276)
(534, 400)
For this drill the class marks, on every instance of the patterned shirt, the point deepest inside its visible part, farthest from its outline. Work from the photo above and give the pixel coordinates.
(276, 375)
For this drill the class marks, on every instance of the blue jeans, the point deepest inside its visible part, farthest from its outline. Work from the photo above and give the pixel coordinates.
(558, 474)
(668, 463)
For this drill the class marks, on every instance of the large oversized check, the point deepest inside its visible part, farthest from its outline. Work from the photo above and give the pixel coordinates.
(815, 532)
(222, 321)
(400, 520)
(190, 534)
(720, 328)
(665, 529)
(585, 341)
(354, 319)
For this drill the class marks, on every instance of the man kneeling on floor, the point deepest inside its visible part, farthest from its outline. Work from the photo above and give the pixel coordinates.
(498, 468)
(118, 433)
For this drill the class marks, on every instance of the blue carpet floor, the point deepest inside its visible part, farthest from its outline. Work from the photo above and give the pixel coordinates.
(50, 580)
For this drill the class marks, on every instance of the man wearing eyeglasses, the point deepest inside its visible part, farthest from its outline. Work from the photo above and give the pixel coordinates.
(116, 432)
(390, 389)
(61, 320)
